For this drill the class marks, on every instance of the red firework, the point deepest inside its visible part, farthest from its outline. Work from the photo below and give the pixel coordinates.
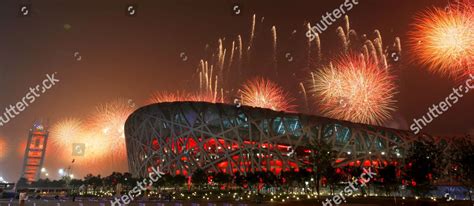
(162, 96)
(205, 97)
(107, 124)
(263, 93)
(443, 39)
(181, 96)
(355, 90)
(3, 148)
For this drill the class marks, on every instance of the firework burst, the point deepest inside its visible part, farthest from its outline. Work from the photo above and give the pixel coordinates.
(443, 39)
(3, 148)
(66, 132)
(160, 97)
(97, 147)
(206, 97)
(263, 93)
(355, 90)
(108, 123)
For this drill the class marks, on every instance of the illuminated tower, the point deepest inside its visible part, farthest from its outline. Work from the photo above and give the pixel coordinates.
(34, 152)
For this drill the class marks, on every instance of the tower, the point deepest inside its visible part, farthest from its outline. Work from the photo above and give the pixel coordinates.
(35, 152)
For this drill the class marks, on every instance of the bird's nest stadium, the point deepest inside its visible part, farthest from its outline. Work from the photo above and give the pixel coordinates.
(181, 137)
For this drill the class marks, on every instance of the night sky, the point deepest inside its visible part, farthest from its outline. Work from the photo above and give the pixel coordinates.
(131, 57)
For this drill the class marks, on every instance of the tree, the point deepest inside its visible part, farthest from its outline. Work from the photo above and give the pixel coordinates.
(322, 156)
(422, 166)
(222, 178)
(75, 183)
(463, 160)
(286, 179)
(303, 176)
(59, 183)
(252, 179)
(128, 180)
(334, 176)
(161, 182)
(270, 179)
(42, 183)
(168, 180)
(93, 181)
(199, 178)
(179, 181)
(239, 179)
(389, 178)
(22, 183)
(354, 172)
(112, 180)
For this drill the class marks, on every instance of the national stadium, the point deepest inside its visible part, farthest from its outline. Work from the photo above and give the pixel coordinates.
(182, 137)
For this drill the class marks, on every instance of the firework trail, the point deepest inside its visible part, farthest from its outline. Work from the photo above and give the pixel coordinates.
(373, 56)
(342, 37)
(252, 33)
(356, 90)
(379, 47)
(397, 45)
(443, 39)
(313, 79)
(239, 39)
(231, 59)
(372, 50)
(221, 59)
(274, 34)
(209, 84)
(303, 89)
(263, 93)
(223, 70)
(317, 43)
(348, 25)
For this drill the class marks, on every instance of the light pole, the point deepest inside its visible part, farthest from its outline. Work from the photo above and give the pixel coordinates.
(61, 172)
(44, 171)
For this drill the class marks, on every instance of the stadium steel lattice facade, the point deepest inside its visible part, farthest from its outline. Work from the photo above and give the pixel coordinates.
(184, 136)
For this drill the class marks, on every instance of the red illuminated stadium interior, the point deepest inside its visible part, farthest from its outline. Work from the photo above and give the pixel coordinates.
(218, 146)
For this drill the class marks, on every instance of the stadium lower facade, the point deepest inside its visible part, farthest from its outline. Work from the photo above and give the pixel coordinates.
(182, 137)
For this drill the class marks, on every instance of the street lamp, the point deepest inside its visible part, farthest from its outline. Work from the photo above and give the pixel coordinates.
(61, 172)
(2, 180)
(44, 171)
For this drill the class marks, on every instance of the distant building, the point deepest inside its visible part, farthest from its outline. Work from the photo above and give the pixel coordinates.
(35, 152)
